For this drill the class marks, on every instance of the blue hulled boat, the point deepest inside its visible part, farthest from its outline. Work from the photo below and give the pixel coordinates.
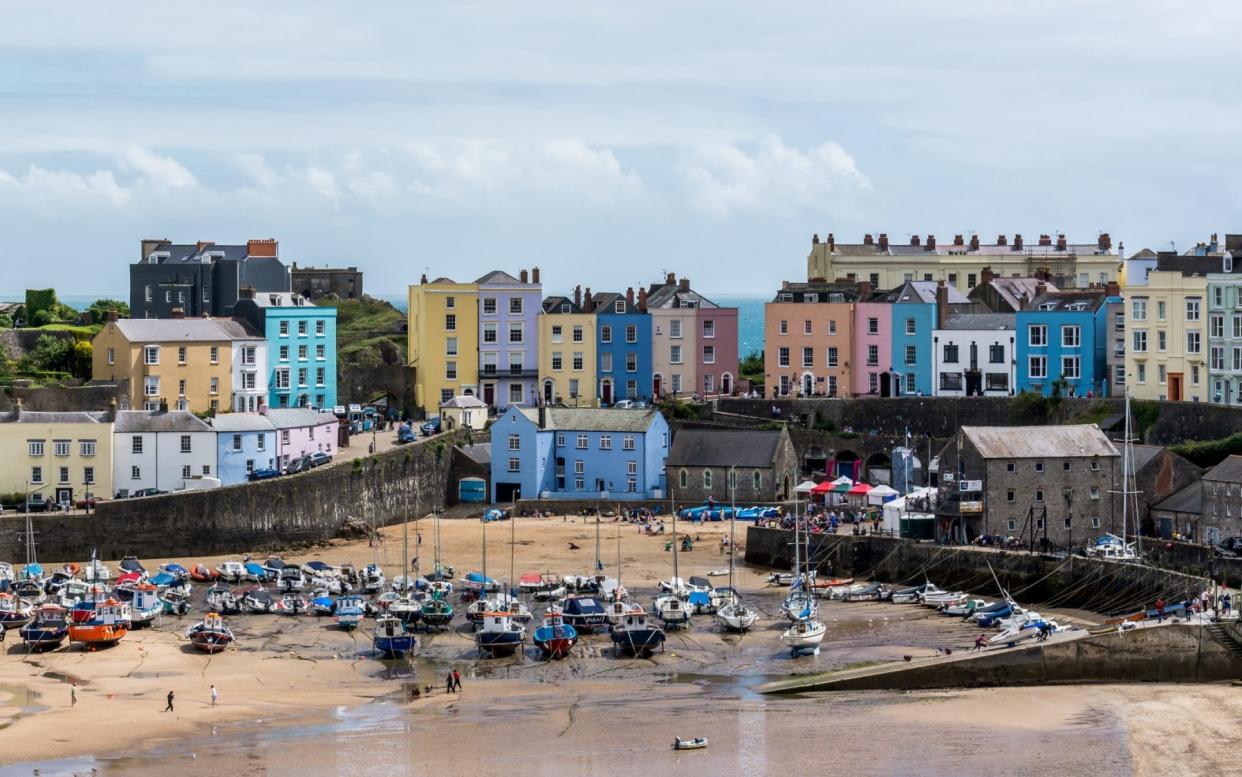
(555, 637)
(499, 635)
(391, 638)
(635, 636)
(349, 612)
(584, 613)
(49, 628)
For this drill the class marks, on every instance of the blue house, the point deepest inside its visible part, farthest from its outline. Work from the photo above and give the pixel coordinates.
(1062, 342)
(578, 453)
(244, 442)
(914, 316)
(623, 347)
(301, 347)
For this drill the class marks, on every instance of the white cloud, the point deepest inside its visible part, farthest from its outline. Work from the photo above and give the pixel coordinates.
(722, 179)
(40, 186)
(158, 171)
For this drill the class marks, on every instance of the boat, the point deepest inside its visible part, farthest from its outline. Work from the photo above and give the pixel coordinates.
(532, 583)
(108, 624)
(402, 584)
(636, 636)
(672, 611)
(405, 609)
(6, 574)
(96, 571)
(965, 609)
(349, 612)
(256, 599)
(372, 579)
(499, 635)
(994, 607)
(145, 606)
(292, 579)
(806, 633)
(15, 612)
(73, 592)
(222, 599)
(865, 592)
(231, 571)
(176, 601)
(479, 583)
(391, 638)
(291, 604)
(698, 743)
(584, 613)
(330, 583)
(132, 564)
(781, 578)
(48, 628)
(436, 613)
(615, 612)
(804, 636)
(942, 598)
(555, 637)
(256, 572)
(210, 635)
(912, 594)
(731, 612)
(57, 581)
(199, 573)
(1110, 547)
(323, 605)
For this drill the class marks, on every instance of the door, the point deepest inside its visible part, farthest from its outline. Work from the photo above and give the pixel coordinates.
(547, 391)
(886, 384)
(605, 392)
(1175, 387)
(974, 383)
(64, 495)
(726, 384)
(489, 394)
(655, 387)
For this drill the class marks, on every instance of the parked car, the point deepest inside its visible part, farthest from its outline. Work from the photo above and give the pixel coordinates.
(300, 464)
(405, 434)
(86, 501)
(319, 458)
(148, 492)
(624, 404)
(432, 426)
(1233, 544)
(263, 474)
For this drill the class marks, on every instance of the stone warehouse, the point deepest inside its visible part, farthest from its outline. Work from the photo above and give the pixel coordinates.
(748, 465)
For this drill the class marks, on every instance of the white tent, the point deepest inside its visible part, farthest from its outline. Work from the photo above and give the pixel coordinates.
(805, 487)
(881, 494)
(894, 510)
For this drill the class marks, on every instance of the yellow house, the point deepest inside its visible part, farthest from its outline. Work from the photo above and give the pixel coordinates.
(58, 457)
(183, 363)
(566, 354)
(1166, 323)
(443, 341)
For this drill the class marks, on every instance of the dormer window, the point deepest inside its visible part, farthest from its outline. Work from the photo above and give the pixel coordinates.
(564, 307)
(618, 306)
(1048, 306)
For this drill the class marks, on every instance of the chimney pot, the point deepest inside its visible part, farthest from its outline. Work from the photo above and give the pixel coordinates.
(931, 242)
(247, 292)
(1112, 289)
(112, 410)
(832, 242)
(111, 315)
(914, 240)
(864, 290)
(974, 242)
(522, 276)
(867, 239)
(423, 280)
(884, 242)
(815, 239)
(684, 284)
(642, 300)
(1045, 240)
(578, 297)
(1001, 240)
(1040, 289)
(588, 302)
(784, 284)
(534, 275)
(200, 245)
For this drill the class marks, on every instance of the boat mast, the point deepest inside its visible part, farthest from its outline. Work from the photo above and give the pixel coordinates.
(618, 555)
(512, 546)
(673, 503)
(1125, 471)
(599, 564)
(732, 526)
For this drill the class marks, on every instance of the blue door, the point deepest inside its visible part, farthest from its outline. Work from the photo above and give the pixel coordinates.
(471, 490)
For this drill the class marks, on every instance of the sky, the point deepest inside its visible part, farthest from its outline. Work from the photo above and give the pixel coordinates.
(606, 143)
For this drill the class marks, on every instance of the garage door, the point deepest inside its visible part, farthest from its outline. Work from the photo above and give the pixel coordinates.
(471, 490)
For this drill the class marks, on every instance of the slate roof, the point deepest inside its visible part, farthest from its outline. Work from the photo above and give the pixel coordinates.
(581, 419)
(238, 329)
(1039, 442)
(552, 305)
(464, 401)
(1011, 290)
(1193, 265)
(173, 330)
(1142, 455)
(498, 277)
(297, 417)
(1187, 500)
(1062, 301)
(1228, 470)
(44, 417)
(281, 299)
(825, 292)
(157, 421)
(994, 322)
(671, 295)
(605, 302)
(1030, 247)
(189, 253)
(241, 422)
(749, 448)
(479, 452)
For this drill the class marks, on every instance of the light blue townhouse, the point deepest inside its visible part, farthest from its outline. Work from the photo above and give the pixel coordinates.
(301, 347)
(1062, 340)
(579, 453)
(244, 442)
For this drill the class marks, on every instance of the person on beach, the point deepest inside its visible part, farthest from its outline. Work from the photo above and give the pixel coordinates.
(169, 708)
(215, 696)
(457, 681)
(73, 694)
(980, 642)
(448, 683)
(1160, 611)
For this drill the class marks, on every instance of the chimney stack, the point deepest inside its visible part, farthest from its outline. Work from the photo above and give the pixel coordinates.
(931, 242)
(958, 241)
(684, 284)
(163, 405)
(784, 285)
(543, 415)
(1105, 242)
(1045, 240)
(942, 304)
(1112, 289)
(629, 297)
(1041, 288)
(588, 302)
(914, 240)
(974, 242)
(200, 245)
(1017, 242)
(1041, 273)
(422, 281)
(867, 239)
(1061, 242)
(578, 297)
(864, 291)
(1023, 301)
(884, 242)
(111, 315)
(534, 275)
(111, 410)
(522, 276)
(1001, 240)
(266, 248)
(832, 243)
(815, 239)
(642, 300)
(985, 276)
(671, 278)
(247, 292)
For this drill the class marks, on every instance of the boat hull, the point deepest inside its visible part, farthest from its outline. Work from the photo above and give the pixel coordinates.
(97, 634)
(555, 641)
(396, 646)
(637, 642)
(44, 638)
(497, 645)
(211, 642)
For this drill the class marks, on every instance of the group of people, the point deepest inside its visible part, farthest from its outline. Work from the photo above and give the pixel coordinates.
(822, 519)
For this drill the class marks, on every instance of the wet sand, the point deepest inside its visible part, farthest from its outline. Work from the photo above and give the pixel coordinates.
(301, 681)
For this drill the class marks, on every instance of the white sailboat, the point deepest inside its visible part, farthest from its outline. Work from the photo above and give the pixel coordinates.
(734, 615)
(1110, 546)
(807, 632)
(670, 607)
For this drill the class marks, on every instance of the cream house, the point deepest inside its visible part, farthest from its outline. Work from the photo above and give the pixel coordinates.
(57, 457)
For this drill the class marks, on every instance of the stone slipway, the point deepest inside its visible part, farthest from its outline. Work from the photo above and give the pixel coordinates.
(1169, 653)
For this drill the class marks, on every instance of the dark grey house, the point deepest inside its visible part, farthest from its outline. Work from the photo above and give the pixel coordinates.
(763, 462)
(203, 278)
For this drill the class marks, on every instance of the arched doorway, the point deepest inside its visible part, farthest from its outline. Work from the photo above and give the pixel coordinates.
(656, 385)
(845, 463)
(886, 384)
(815, 459)
(808, 384)
(605, 391)
(726, 384)
(547, 391)
(786, 487)
(880, 468)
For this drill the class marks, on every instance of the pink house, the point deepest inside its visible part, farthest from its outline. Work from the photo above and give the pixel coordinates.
(301, 431)
(717, 353)
(873, 346)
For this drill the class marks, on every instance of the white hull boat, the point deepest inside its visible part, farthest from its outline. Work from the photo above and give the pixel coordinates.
(804, 637)
(672, 611)
(736, 616)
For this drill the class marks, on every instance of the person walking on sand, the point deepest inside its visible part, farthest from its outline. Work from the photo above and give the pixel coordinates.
(215, 696)
(169, 708)
(73, 694)
(448, 683)
(457, 681)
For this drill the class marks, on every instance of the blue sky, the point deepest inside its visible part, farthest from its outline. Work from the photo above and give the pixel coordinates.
(606, 143)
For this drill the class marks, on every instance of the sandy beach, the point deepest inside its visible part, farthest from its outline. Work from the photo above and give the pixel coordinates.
(300, 679)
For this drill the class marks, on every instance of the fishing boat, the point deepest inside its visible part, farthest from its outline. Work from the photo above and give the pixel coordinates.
(698, 743)
(436, 613)
(176, 601)
(912, 594)
(132, 564)
(555, 637)
(57, 581)
(730, 611)
(863, 592)
(373, 578)
(636, 636)
(965, 609)
(231, 571)
(391, 638)
(256, 599)
(499, 635)
(47, 629)
(73, 592)
(584, 613)
(615, 612)
(291, 604)
(349, 612)
(804, 637)
(108, 624)
(222, 599)
(292, 579)
(6, 574)
(14, 611)
(96, 571)
(210, 635)
(145, 606)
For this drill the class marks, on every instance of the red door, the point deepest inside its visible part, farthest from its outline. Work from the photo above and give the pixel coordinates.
(489, 394)
(606, 392)
(655, 387)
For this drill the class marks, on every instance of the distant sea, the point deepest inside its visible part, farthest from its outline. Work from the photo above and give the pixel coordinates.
(749, 316)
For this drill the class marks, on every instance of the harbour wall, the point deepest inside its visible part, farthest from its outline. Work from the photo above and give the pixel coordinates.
(1101, 586)
(295, 509)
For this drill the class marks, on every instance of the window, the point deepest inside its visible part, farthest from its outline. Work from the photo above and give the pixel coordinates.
(1038, 334)
(806, 327)
(709, 328)
(578, 334)
(631, 388)
(707, 478)
(557, 335)
(580, 484)
(756, 480)
(321, 328)
(515, 464)
(971, 279)
(489, 306)
(515, 333)
(60, 447)
(185, 471)
(674, 328)
(301, 328)
(135, 444)
(631, 362)
(996, 353)
(1039, 495)
(515, 442)
(1070, 367)
(515, 393)
(1071, 336)
(873, 355)
(631, 333)
(88, 475)
(832, 327)
(1192, 308)
(1039, 466)
(832, 356)
(1160, 311)
(1216, 326)
(1095, 492)
(185, 443)
(214, 387)
(873, 326)
(912, 354)
(450, 370)
(489, 332)
(1038, 367)
(996, 381)
(808, 357)
(605, 442)
(782, 357)
(1193, 341)
(605, 334)
(86, 447)
(1011, 496)
(515, 306)
(36, 474)
(284, 353)
(450, 302)
(237, 443)
(1140, 341)
(605, 362)
(709, 354)
(260, 441)
(135, 473)
(1141, 372)
(214, 354)
(34, 447)
(302, 353)
(1162, 340)
(582, 442)
(950, 353)
(674, 354)
(445, 395)
(618, 306)
(950, 381)
(784, 327)
(873, 383)
(579, 467)
(557, 361)
(683, 479)
(151, 354)
(1138, 309)
(284, 328)
(1009, 466)
(450, 322)
(450, 346)
(181, 354)
(910, 326)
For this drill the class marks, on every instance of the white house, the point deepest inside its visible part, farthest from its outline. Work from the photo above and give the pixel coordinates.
(463, 412)
(249, 365)
(160, 449)
(973, 354)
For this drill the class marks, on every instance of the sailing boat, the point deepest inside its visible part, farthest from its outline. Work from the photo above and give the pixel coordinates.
(1110, 546)
(404, 607)
(618, 608)
(734, 616)
(436, 612)
(807, 632)
(30, 582)
(498, 633)
(391, 635)
(670, 607)
(801, 595)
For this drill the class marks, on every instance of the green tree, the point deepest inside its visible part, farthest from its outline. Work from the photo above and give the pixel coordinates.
(751, 366)
(100, 307)
(50, 354)
(82, 355)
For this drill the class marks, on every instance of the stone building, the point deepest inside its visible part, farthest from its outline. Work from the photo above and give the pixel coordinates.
(315, 282)
(1034, 482)
(1159, 474)
(203, 278)
(1222, 502)
(764, 464)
